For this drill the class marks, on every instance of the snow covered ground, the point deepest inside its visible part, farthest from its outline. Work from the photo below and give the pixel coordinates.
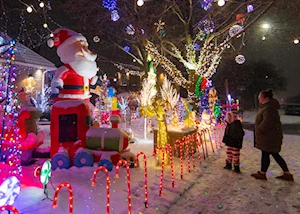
(206, 189)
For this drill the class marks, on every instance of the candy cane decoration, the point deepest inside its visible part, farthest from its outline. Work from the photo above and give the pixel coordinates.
(145, 175)
(128, 180)
(101, 168)
(179, 143)
(209, 135)
(193, 151)
(54, 205)
(9, 208)
(162, 169)
(200, 143)
(194, 136)
(169, 150)
(204, 139)
(186, 143)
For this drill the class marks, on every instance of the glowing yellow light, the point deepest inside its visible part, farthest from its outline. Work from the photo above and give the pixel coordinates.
(263, 38)
(29, 9)
(140, 3)
(266, 26)
(296, 41)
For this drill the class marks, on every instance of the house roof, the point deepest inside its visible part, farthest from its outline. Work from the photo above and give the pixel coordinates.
(27, 57)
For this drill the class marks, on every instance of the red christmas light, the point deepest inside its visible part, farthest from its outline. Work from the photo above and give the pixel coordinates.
(101, 168)
(64, 184)
(145, 175)
(9, 208)
(128, 180)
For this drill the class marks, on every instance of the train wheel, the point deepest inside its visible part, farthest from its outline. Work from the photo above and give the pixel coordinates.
(60, 160)
(83, 158)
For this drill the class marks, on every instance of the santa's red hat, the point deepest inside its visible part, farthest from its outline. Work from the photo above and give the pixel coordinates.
(63, 37)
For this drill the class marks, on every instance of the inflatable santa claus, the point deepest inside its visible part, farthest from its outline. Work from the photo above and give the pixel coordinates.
(72, 80)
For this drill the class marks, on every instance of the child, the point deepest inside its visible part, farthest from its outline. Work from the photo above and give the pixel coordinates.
(233, 139)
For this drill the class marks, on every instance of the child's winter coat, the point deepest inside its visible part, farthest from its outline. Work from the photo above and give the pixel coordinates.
(234, 133)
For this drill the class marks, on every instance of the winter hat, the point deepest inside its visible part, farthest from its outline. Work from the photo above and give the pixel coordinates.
(63, 37)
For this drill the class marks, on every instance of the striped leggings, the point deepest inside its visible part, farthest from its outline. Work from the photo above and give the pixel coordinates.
(233, 154)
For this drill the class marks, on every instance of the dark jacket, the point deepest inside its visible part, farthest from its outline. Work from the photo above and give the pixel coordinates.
(268, 131)
(233, 135)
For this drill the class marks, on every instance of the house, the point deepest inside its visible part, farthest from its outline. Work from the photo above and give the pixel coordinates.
(31, 68)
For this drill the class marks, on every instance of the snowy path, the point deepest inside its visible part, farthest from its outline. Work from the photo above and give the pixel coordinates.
(221, 191)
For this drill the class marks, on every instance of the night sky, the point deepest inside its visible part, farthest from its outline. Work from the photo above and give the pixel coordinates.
(278, 47)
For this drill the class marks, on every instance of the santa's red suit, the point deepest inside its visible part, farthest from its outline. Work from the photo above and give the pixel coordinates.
(74, 86)
(72, 80)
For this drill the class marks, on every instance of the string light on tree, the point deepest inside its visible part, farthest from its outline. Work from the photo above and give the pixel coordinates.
(296, 41)
(41, 4)
(45, 25)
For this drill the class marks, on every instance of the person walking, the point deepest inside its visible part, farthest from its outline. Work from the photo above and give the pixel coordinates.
(233, 139)
(268, 136)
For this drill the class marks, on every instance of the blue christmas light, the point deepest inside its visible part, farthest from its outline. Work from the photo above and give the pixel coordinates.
(110, 4)
(127, 48)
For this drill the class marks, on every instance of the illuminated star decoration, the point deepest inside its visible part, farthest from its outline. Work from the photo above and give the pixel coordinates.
(160, 28)
(160, 25)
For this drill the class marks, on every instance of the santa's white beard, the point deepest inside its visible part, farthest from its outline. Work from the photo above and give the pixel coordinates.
(84, 67)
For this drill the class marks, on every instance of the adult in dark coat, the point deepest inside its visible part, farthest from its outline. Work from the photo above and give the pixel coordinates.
(268, 135)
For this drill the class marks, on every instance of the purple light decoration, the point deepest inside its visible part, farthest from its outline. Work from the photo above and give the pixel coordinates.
(109, 4)
(196, 46)
(114, 15)
(250, 8)
(206, 4)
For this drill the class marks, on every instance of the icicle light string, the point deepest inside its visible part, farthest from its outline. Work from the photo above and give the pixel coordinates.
(101, 168)
(145, 175)
(128, 180)
(64, 184)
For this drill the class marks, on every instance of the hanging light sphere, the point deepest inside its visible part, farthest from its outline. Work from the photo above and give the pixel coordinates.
(296, 41)
(240, 59)
(221, 3)
(96, 39)
(29, 9)
(51, 35)
(45, 25)
(41, 4)
(140, 3)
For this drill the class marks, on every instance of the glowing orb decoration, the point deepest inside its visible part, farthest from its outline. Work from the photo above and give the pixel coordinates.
(127, 48)
(130, 30)
(96, 39)
(206, 4)
(45, 172)
(9, 191)
(250, 8)
(3, 46)
(234, 30)
(114, 15)
(240, 59)
(221, 3)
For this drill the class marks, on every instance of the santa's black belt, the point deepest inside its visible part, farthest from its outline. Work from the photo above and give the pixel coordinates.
(74, 87)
